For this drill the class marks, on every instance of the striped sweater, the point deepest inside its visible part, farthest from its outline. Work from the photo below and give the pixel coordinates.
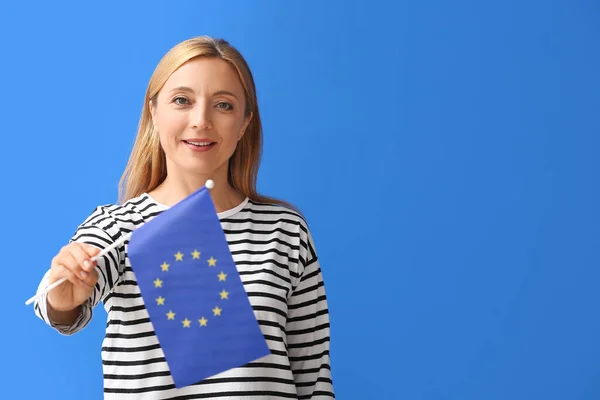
(275, 256)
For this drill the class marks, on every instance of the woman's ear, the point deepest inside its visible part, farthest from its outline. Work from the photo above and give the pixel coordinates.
(246, 123)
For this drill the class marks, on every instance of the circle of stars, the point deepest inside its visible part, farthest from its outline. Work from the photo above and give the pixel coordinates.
(223, 294)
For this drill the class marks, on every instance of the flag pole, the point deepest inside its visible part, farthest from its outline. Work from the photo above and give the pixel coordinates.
(209, 185)
(62, 280)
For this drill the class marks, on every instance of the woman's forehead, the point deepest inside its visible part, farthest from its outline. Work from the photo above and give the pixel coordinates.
(205, 74)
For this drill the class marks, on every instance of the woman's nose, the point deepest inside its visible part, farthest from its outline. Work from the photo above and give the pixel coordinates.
(201, 117)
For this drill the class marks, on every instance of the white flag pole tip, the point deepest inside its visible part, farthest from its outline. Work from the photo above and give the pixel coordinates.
(49, 288)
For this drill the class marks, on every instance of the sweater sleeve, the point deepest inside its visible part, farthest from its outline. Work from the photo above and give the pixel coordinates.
(307, 328)
(100, 229)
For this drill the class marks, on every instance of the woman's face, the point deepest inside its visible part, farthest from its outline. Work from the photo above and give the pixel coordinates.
(199, 116)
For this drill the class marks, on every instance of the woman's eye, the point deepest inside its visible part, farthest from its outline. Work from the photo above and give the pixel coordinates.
(180, 100)
(225, 106)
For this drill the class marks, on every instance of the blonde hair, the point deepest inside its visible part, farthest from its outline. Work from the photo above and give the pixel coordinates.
(147, 168)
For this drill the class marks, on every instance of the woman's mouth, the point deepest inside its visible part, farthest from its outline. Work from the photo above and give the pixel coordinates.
(199, 145)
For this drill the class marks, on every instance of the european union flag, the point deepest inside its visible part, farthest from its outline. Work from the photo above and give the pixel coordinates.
(193, 293)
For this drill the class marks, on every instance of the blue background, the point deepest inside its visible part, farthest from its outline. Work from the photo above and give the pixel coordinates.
(444, 153)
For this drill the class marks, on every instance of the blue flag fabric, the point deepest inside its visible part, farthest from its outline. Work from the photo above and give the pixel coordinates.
(194, 295)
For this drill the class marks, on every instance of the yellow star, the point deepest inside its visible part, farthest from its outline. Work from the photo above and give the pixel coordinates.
(203, 321)
(212, 262)
(160, 301)
(171, 315)
(222, 276)
(196, 254)
(224, 294)
(179, 256)
(164, 266)
(216, 311)
(186, 323)
(158, 283)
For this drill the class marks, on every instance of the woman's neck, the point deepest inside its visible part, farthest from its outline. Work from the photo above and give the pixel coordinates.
(171, 191)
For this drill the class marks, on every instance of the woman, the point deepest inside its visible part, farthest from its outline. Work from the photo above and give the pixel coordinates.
(200, 121)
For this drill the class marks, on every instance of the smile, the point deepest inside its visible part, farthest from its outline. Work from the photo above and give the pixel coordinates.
(199, 145)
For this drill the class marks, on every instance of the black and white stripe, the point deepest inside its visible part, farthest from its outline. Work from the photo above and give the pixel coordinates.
(275, 256)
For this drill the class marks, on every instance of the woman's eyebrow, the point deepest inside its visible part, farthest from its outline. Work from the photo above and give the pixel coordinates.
(226, 92)
(188, 89)
(182, 89)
